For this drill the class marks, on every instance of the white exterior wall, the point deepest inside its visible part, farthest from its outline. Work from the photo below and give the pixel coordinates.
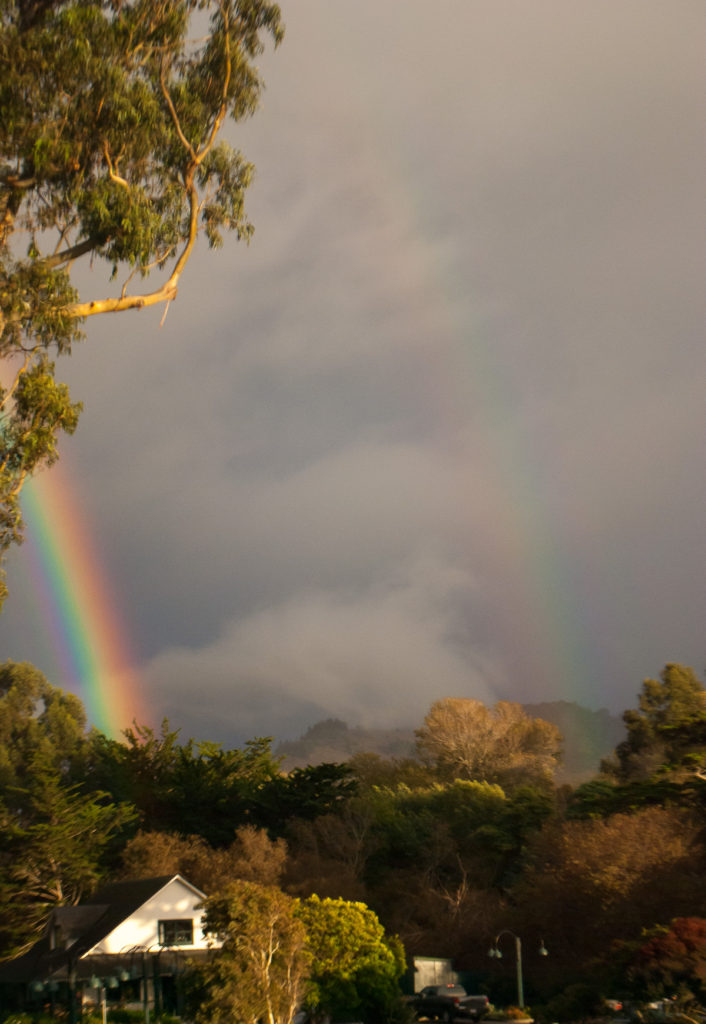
(176, 900)
(430, 970)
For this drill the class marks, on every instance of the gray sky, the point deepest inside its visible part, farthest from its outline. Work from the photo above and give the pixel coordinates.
(439, 430)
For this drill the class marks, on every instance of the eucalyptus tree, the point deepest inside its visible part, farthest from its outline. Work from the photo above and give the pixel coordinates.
(259, 973)
(111, 117)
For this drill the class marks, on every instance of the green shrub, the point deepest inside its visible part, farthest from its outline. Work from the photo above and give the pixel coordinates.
(123, 1015)
(577, 1002)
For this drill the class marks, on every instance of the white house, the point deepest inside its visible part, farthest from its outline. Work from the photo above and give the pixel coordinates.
(161, 913)
(127, 943)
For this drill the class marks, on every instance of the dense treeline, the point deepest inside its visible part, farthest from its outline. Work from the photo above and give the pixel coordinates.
(450, 847)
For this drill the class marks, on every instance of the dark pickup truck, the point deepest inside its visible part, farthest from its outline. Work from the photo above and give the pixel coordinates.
(447, 1002)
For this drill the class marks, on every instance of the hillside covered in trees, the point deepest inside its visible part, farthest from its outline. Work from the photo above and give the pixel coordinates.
(469, 837)
(587, 738)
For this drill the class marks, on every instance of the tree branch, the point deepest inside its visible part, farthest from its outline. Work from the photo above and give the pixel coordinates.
(13, 387)
(73, 252)
(175, 117)
(114, 305)
(167, 292)
(113, 172)
(218, 121)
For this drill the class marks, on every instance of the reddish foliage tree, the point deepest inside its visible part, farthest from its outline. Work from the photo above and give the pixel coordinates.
(673, 960)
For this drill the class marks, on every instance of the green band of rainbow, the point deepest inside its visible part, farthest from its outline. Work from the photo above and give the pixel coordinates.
(87, 633)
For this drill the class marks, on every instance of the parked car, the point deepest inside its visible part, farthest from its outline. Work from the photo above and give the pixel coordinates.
(449, 1002)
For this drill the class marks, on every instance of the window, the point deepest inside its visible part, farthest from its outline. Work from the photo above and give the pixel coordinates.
(176, 933)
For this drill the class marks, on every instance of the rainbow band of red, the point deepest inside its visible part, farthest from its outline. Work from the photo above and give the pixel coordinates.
(87, 632)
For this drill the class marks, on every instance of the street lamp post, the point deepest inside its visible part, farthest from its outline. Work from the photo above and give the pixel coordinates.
(494, 951)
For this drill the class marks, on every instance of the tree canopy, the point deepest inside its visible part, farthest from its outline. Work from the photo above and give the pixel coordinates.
(199, 788)
(259, 972)
(111, 114)
(668, 727)
(354, 966)
(591, 882)
(672, 960)
(51, 852)
(251, 857)
(41, 727)
(466, 739)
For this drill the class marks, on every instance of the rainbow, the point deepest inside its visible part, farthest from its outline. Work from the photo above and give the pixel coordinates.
(86, 632)
(544, 605)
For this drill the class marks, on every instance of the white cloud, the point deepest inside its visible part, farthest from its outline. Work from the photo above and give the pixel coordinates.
(376, 657)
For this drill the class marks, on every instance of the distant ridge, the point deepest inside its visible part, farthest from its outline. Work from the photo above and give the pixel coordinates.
(588, 737)
(334, 740)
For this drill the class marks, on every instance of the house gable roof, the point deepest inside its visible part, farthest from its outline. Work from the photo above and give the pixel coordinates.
(87, 924)
(120, 901)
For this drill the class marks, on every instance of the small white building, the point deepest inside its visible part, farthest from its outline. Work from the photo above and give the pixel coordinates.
(432, 970)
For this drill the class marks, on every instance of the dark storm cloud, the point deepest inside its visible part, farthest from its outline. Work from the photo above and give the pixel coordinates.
(438, 430)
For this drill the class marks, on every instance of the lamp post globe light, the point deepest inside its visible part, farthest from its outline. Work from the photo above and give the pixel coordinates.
(496, 953)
